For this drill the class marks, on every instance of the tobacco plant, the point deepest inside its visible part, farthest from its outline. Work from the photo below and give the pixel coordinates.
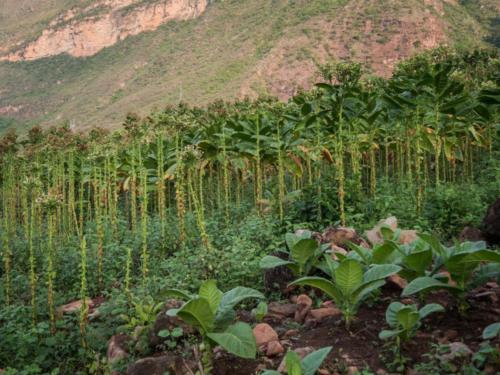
(212, 312)
(350, 284)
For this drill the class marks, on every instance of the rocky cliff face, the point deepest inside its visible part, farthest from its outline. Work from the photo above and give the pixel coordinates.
(84, 33)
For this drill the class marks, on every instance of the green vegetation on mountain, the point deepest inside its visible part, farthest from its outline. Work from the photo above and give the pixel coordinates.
(235, 48)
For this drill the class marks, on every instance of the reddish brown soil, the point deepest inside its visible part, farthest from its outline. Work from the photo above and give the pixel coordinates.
(361, 346)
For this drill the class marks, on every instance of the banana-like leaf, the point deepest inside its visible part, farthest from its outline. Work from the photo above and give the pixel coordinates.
(425, 283)
(210, 292)
(237, 339)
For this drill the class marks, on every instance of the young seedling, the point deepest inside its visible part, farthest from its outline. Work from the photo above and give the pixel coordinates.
(405, 321)
(212, 312)
(308, 366)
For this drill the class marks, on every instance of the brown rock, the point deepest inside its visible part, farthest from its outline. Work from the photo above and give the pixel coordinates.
(304, 303)
(264, 334)
(490, 370)
(304, 299)
(397, 281)
(285, 310)
(301, 352)
(166, 364)
(117, 348)
(73, 307)
(470, 234)
(290, 333)
(274, 348)
(339, 237)
(352, 370)
(323, 371)
(324, 312)
(451, 334)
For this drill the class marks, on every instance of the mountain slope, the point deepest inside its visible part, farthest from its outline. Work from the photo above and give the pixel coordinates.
(233, 48)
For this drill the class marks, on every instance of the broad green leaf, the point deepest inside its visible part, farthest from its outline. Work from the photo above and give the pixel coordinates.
(291, 238)
(231, 298)
(491, 331)
(303, 250)
(348, 276)
(433, 243)
(322, 284)
(381, 253)
(483, 256)
(237, 339)
(419, 261)
(365, 254)
(387, 334)
(429, 309)
(390, 313)
(364, 290)
(163, 333)
(292, 362)
(313, 361)
(407, 317)
(197, 312)
(386, 232)
(380, 271)
(424, 283)
(260, 311)
(211, 293)
(271, 261)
